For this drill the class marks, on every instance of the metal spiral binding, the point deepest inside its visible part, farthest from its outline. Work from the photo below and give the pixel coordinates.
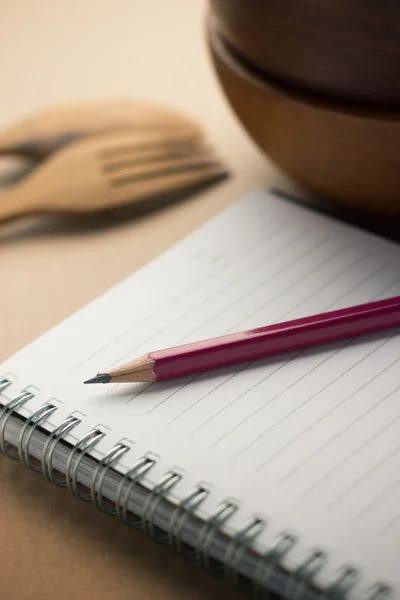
(379, 591)
(5, 415)
(180, 516)
(207, 533)
(27, 432)
(241, 542)
(158, 492)
(269, 569)
(126, 488)
(302, 577)
(75, 458)
(268, 565)
(96, 489)
(48, 451)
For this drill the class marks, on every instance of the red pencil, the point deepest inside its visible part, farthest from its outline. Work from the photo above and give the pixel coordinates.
(257, 343)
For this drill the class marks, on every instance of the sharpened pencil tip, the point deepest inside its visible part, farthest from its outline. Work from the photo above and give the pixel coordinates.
(100, 378)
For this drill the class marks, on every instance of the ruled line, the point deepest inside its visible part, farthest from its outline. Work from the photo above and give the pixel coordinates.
(301, 464)
(262, 407)
(232, 282)
(172, 394)
(365, 476)
(252, 362)
(259, 437)
(358, 285)
(390, 525)
(215, 316)
(254, 289)
(199, 427)
(360, 447)
(327, 284)
(387, 491)
(263, 239)
(239, 397)
(165, 306)
(292, 285)
(378, 270)
(248, 364)
(205, 395)
(266, 462)
(387, 288)
(203, 303)
(323, 389)
(141, 391)
(279, 294)
(292, 472)
(247, 391)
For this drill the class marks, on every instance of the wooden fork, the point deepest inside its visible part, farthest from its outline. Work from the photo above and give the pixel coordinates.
(103, 172)
(37, 136)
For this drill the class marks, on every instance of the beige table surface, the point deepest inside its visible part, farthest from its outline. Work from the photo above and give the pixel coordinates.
(51, 52)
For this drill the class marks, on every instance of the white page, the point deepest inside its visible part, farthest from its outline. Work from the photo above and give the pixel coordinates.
(308, 439)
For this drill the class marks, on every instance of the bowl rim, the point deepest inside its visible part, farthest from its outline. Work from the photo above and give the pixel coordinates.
(312, 100)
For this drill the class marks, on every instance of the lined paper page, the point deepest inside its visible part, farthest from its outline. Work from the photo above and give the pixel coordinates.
(311, 438)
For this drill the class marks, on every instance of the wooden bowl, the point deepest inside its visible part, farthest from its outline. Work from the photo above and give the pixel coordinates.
(349, 156)
(348, 49)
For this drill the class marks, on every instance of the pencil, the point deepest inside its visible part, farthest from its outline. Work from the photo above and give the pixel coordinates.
(257, 343)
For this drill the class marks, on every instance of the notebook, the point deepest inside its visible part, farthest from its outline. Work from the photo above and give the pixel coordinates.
(282, 474)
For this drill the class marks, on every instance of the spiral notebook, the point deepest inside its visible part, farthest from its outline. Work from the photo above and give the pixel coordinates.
(282, 474)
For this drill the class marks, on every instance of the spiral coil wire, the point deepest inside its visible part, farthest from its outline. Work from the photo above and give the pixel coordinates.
(27, 431)
(49, 448)
(268, 574)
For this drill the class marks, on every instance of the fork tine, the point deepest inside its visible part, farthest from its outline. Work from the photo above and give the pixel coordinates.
(156, 169)
(149, 158)
(161, 152)
(132, 142)
(137, 190)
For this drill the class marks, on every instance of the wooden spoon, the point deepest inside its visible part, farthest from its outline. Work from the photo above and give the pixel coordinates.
(99, 173)
(43, 133)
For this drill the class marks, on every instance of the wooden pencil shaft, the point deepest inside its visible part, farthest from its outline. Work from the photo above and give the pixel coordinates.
(262, 342)
(138, 370)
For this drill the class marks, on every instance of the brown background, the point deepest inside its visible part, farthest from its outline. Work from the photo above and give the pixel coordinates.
(51, 52)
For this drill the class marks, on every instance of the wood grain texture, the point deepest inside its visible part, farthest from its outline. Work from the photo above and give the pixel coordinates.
(140, 369)
(348, 49)
(349, 156)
